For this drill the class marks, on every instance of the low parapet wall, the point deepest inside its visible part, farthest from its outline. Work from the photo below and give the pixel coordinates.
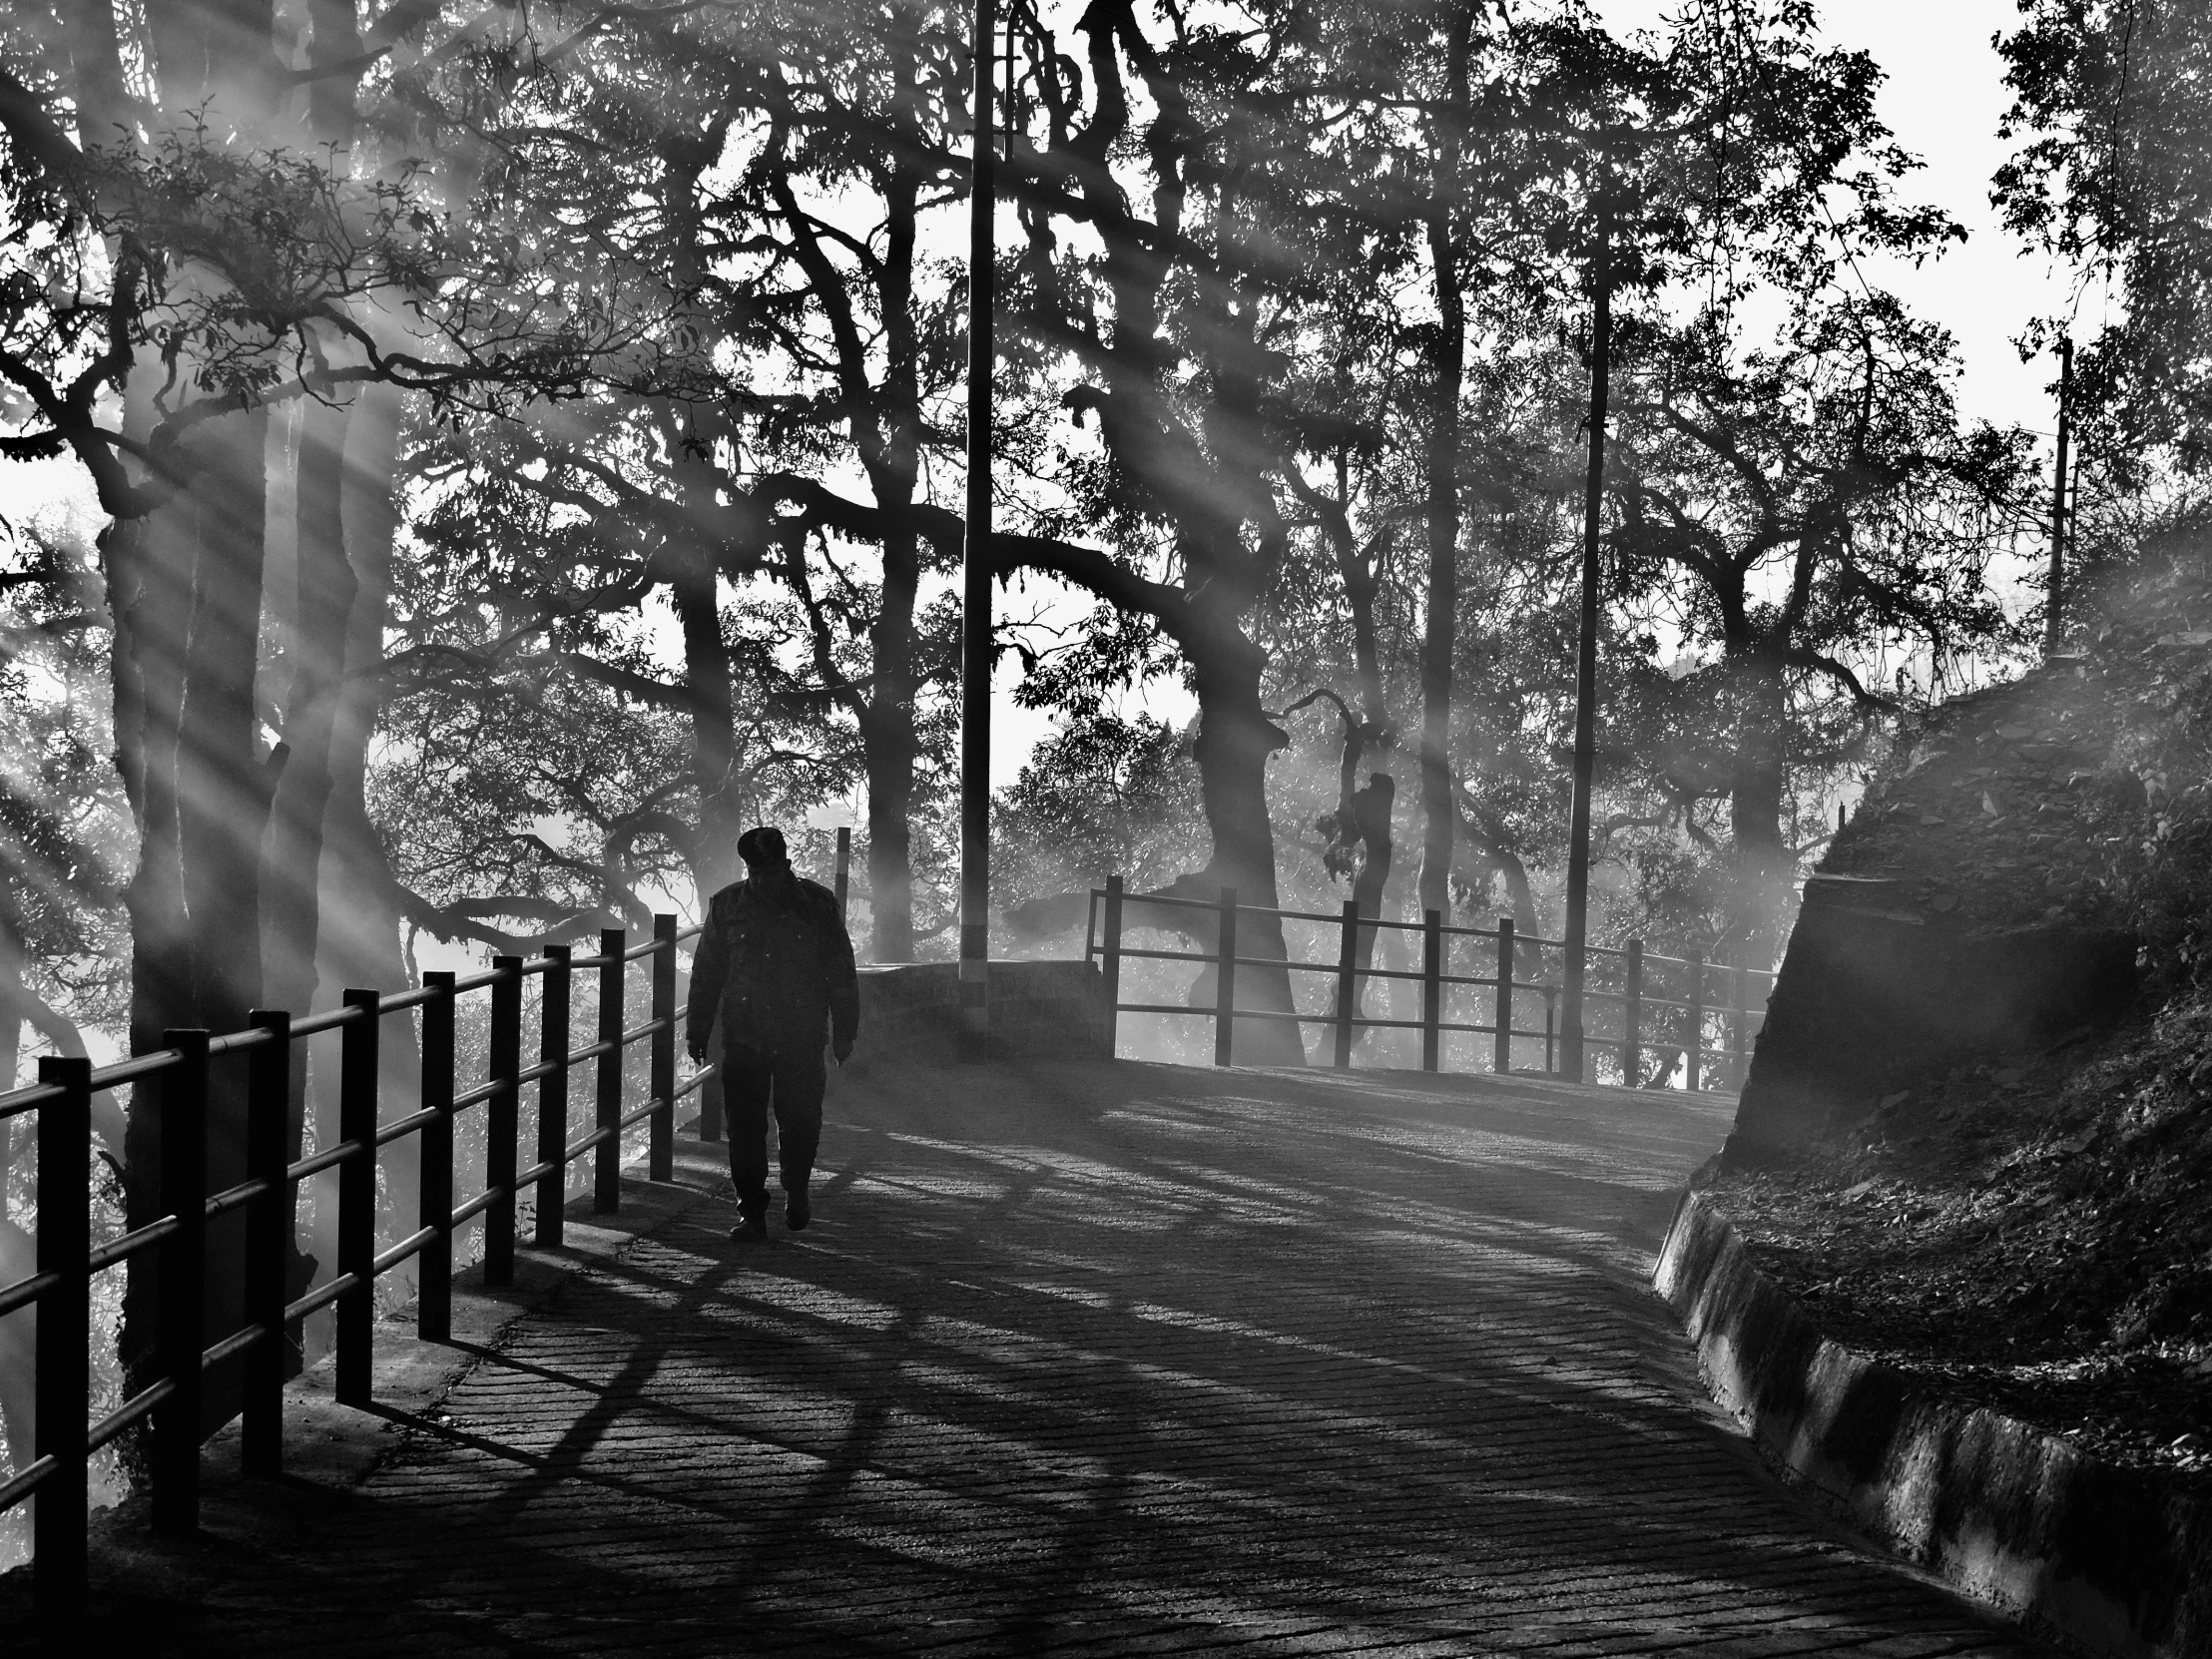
(911, 1012)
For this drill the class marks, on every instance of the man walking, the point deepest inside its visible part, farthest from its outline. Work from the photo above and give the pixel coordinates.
(775, 963)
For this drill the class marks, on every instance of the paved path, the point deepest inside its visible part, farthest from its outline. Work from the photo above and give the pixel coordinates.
(1112, 1361)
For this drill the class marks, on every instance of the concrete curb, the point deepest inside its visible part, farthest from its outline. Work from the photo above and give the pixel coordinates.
(2103, 1560)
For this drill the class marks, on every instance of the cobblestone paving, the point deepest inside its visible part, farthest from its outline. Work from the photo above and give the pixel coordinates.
(1117, 1360)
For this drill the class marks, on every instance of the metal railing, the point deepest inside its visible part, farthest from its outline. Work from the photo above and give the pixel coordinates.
(1625, 1000)
(67, 1258)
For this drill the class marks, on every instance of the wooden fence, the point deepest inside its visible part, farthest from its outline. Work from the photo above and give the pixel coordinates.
(176, 1077)
(1637, 1004)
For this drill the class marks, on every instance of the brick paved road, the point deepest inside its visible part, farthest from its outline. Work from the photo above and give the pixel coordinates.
(1114, 1362)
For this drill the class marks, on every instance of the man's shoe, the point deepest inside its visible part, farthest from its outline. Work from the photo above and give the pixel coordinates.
(752, 1227)
(798, 1209)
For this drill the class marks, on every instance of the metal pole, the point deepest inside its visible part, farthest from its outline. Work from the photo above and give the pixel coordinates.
(606, 1163)
(546, 1232)
(1585, 670)
(501, 1118)
(1694, 1050)
(1737, 1029)
(660, 1146)
(1632, 1018)
(179, 1316)
(1502, 1052)
(1224, 982)
(975, 613)
(1111, 971)
(434, 1182)
(2051, 612)
(357, 1306)
(845, 869)
(64, 1337)
(1348, 982)
(267, 1233)
(1432, 988)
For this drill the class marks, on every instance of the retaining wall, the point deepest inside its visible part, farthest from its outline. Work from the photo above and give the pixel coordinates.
(911, 1012)
(2111, 1560)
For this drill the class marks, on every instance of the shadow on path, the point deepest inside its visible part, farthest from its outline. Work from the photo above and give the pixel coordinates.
(1111, 1360)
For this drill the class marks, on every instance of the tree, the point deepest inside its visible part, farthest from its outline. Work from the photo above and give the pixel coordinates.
(2114, 100)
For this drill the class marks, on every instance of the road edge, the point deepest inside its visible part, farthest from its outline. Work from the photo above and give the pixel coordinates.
(2099, 1558)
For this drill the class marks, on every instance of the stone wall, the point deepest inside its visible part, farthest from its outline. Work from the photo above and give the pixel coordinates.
(911, 1012)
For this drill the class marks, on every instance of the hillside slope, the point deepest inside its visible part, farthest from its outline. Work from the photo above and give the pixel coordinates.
(2031, 1232)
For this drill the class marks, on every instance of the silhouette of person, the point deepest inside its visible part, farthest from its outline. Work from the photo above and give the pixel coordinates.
(775, 963)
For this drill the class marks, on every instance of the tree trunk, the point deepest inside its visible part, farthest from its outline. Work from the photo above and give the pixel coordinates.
(325, 587)
(1758, 788)
(1234, 740)
(1440, 808)
(889, 734)
(359, 939)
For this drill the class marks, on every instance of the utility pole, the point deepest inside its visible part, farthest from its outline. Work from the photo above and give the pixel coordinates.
(1585, 671)
(976, 611)
(2051, 612)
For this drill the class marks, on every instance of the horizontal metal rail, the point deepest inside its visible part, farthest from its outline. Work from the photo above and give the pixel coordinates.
(180, 1069)
(1628, 984)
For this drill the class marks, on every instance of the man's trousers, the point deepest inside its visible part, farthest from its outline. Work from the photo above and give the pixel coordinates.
(754, 1082)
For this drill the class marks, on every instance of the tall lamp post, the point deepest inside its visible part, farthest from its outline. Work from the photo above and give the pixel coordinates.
(2053, 611)
(1585, 669)
(976, 612)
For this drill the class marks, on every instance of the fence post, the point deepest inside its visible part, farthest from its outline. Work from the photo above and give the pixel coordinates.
(1112, 965)
(845, 869)
(1502, 1052)
(434, 1205)
(180, 1316)
(356, 1308)
(1632, 1018)
(64, 1332)
(606, 1176)
(660, 1159)
(267, 1245)
(545, 1231)
(1225, 982)
(1692, 1049)
(502, 1120)
(1552, 1015)
(1432, 988)
(1348, 982)
(1738, 1032)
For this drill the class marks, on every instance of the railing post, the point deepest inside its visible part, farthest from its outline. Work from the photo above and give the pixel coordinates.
(1632, 1018)
(1502, 1051)
(1347, 982)
(268, 1104)
(1551, 1031)
(64, 1335)
(1693, 1050)
(1738, 1026)
(845, 869)
(180, 1317)
(434, 1277)
(1225, 981)
(661, 1158)
(552, 1097)
(356, 1308)
(503, 1120)
(606, 1163)
(1432, 988)
(1111, 966)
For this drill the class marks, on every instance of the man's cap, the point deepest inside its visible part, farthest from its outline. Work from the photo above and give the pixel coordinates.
(762, 844)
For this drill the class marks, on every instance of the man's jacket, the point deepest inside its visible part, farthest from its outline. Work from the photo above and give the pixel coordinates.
(779, 968)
